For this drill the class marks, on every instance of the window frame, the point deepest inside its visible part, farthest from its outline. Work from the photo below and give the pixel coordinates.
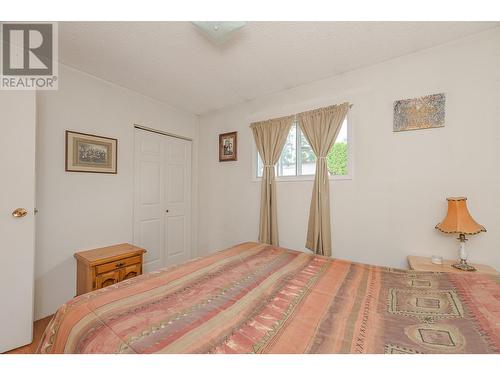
(350, 163)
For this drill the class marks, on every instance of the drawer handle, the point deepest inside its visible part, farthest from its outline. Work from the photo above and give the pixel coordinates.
(120, 264)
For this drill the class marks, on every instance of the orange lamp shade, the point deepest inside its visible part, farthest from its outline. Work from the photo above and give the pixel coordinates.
(458, 218)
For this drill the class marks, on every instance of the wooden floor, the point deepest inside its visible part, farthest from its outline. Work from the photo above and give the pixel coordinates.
(38, 329)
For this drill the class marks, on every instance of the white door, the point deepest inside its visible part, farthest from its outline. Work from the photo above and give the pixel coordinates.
(17, 233)
(162, 198)
(178, 201)
(149, 201)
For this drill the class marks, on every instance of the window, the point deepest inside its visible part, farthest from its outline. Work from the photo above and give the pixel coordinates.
(298, 159)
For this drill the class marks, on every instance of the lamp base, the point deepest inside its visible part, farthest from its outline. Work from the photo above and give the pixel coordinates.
(462, 265)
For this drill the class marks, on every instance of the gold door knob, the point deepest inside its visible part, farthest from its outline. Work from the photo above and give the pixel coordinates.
(19, 212)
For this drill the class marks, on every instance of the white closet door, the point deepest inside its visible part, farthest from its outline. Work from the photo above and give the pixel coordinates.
(149, 197)
(178, 201)
(162, 199)
(17, 230)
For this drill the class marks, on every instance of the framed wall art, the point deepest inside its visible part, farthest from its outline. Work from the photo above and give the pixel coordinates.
(90, 153)
(228, 146)
(420, 113)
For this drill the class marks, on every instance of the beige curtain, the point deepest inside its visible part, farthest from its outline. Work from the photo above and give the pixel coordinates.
(321, 127)
(270, 137)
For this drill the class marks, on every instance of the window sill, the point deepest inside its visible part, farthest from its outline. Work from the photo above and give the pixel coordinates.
(303, 178)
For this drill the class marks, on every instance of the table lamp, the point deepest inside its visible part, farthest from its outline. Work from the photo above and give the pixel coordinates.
(458, 220)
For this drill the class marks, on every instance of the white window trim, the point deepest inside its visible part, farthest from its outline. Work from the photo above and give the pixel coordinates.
(350, 161)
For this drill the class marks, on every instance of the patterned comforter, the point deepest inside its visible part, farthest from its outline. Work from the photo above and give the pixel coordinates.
(255, 298)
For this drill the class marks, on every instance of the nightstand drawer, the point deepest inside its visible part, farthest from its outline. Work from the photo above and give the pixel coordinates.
(106, 267)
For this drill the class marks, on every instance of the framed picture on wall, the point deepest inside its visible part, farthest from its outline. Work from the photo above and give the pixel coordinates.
(228, 146)
(425, 112)
(90, 153)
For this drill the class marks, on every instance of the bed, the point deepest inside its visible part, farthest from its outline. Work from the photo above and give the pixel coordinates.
(256, 298)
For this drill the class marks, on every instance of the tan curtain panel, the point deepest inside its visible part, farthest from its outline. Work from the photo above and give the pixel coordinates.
(270, 137)
(321, 127)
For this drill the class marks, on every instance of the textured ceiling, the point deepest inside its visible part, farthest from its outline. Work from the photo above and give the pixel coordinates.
(173, 62)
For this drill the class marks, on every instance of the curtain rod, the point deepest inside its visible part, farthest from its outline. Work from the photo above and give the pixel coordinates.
(296, 114)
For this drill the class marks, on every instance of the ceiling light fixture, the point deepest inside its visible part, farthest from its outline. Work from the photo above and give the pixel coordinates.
(219, 31)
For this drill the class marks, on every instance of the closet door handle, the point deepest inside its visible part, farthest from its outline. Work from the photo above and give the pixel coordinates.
(166, 211)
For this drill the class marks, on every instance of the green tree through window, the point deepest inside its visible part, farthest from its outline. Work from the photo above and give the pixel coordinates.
(337, 159)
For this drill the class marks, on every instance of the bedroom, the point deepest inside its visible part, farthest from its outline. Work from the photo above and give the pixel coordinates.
(265, 165)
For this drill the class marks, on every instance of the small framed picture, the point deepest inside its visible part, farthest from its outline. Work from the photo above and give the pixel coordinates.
(90, 153)
(228, 146)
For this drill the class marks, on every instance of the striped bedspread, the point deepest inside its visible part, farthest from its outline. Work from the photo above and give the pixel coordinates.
(255, 298)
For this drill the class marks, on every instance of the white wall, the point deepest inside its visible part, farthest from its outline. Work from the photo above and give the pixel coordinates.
(389, 209)
(79, 211)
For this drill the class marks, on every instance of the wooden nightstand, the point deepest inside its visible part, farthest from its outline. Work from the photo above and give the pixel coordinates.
(106, 266)
(425, 264)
